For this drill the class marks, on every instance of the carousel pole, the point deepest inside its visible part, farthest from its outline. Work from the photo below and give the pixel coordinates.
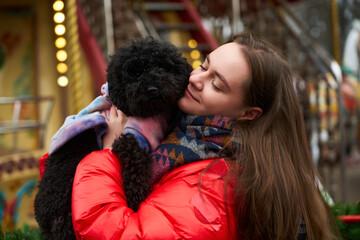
(336, 50)
(109, 26)
(335, 30)
(236, 26)
(74, 58)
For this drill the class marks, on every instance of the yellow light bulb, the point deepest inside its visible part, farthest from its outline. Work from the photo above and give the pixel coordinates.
(192, 43)
(60, 42)
(61, 55)
(196, 64)
(60, 29)
(59, 17)
(195, 54)
(62, 68)
(58, 5)
(62, 81)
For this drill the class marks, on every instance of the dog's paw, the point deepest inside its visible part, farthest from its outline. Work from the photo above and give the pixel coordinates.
(136, 169)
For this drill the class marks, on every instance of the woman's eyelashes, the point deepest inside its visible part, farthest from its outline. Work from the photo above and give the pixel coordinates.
(212, 80)
(214, 86)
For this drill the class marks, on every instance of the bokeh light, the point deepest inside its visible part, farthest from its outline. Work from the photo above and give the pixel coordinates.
(58, 5)
(59, 17)
(60, 29)
(192, 43)
(60, 42)
(62, 81)
(196, 64)
(62, 68)
(61, 55)
(195, 54)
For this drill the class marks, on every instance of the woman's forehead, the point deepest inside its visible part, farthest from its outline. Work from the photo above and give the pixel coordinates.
(230, 62)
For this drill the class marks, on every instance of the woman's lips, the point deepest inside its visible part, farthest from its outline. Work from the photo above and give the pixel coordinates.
(187, 92)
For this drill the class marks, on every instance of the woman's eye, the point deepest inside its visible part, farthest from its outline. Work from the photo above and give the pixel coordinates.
(214, 86)
(202, 67)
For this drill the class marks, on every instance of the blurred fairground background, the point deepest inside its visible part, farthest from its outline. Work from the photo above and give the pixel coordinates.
(53, 58)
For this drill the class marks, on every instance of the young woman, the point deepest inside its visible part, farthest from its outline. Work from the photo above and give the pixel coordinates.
(237, 166)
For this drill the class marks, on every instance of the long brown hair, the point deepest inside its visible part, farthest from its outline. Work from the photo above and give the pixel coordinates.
(277, 181)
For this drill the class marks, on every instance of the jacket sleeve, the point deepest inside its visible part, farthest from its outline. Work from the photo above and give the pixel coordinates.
(42, 162)
(174, 210)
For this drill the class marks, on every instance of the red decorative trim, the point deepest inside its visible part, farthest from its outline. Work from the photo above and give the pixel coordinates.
(196, 18)
(42, 162)
(350, 218)
(93, 54)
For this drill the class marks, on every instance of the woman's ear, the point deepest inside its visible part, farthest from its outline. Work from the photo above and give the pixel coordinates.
(250, 113)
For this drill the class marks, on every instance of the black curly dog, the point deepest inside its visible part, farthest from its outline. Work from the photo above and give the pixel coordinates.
(53, 200)
(146, 78)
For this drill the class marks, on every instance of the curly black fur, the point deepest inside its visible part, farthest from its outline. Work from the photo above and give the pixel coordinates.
(136, 172)
(53, 200)
(147, 77)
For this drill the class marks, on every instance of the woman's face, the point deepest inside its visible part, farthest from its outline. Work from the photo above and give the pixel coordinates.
(216, 87)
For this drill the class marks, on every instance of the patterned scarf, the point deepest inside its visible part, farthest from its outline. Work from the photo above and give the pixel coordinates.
(195, 138)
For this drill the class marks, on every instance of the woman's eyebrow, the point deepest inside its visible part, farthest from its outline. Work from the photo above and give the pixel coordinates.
(221, 77)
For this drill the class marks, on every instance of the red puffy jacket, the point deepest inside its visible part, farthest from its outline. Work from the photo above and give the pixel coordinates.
(175, 209)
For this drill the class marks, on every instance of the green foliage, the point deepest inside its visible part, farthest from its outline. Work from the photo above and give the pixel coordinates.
(22, 234)
(348, 231)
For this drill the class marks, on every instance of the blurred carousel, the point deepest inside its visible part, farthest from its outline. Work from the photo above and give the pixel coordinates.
(323, 54)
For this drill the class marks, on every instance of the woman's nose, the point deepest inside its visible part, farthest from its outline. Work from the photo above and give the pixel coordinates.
(197, 79)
